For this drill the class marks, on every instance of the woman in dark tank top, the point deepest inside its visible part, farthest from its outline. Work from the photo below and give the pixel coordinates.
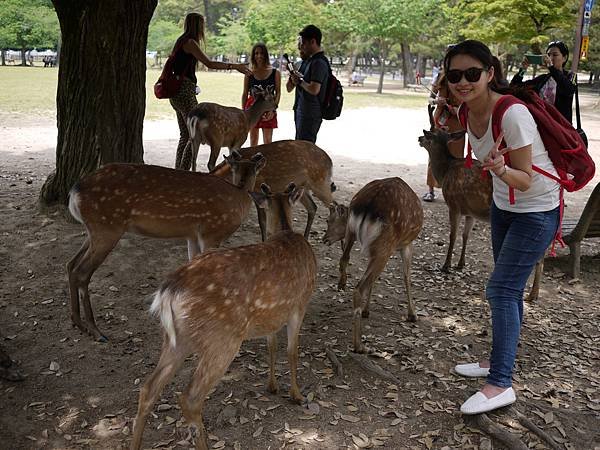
(187, 53)
(263, 76)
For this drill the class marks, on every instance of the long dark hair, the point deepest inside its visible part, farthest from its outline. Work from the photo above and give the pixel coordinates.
(481, 52)
(193, 28)
(263, 47)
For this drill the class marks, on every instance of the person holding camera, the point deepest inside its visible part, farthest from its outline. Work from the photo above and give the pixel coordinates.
(556, 86)
(264, 76)
(309, 81)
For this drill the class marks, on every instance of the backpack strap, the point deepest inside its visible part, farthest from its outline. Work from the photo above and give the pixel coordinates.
(463, 114)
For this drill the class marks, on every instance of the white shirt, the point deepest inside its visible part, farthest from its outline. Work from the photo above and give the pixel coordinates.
(520, 130)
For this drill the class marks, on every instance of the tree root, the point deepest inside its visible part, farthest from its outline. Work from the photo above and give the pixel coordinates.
(548, 440)
(482, 422)
(337, 365)
(364, 362)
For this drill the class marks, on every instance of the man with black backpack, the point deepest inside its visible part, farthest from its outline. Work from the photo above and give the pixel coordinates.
(310, 82)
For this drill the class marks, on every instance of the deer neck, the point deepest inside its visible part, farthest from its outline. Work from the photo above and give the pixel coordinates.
(440, 165)
(256, 111)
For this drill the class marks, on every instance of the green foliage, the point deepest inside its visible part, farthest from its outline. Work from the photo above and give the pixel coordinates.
(233, 37)
(28, 24)
(162, 34)
(277, 22)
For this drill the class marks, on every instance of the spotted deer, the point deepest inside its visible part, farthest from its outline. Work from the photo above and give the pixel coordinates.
(383, 216)
(224, 126)
(298, 162)
(467, 192)
(156, 202)
(210, 306)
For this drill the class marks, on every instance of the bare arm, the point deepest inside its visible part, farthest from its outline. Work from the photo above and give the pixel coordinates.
(245, 91)
(290, 85)
(277, 87)
(312, 88)
(193, 48)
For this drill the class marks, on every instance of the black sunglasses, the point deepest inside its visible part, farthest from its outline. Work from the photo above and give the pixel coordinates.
(472, 74)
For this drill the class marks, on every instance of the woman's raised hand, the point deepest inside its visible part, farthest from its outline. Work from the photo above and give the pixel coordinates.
(494, 162)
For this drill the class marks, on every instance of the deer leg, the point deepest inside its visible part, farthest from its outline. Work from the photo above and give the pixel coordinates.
(407, 253)
(73, 286)
(535, 287)
(469, 221)
(96, 253)
(194, 244)
(347, 244)
(293, 329)
(272, 345)
(211, 367)
(362, 292)
(214, 154)
(311, 209)
(454, 222)
(170, 360)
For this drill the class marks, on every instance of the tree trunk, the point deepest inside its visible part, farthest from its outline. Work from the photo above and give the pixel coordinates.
(381, 74)
(210, 24)
(101, 95)
(3, 53)
(407, 67)
(23, 59)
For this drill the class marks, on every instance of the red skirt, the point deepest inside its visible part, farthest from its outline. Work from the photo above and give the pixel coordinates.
(262, 123)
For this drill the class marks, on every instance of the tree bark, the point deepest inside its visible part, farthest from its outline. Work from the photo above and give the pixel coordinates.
(407, 67)
(3, 53)
(101, 95)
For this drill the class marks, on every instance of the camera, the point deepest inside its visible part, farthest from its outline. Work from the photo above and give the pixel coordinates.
(534, 59)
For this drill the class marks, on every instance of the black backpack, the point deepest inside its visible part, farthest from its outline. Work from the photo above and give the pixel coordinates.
(331, 108)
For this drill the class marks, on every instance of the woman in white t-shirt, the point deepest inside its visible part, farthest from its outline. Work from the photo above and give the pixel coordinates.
(521, 231)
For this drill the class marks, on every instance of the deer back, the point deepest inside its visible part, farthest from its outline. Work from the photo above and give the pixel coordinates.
(224, 126)
(468, 190)
(298, 162)
(158, 201)
(391, 203)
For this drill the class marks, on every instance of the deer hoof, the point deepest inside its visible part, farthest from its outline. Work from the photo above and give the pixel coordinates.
(273, 388)
(411, 318)
(445, 268)
(296, 396)
(365, 313)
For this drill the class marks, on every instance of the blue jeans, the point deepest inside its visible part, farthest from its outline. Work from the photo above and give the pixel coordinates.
(307, 127)
(519, 241)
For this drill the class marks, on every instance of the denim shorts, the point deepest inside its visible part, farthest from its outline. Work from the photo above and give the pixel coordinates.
(307, 127)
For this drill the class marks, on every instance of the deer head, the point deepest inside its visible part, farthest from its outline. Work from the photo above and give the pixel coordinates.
(436, 141)
(278, 206)
(336, 223)
(243, 171)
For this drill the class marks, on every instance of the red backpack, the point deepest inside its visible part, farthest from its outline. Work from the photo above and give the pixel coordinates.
(566, 149)
(168, 83)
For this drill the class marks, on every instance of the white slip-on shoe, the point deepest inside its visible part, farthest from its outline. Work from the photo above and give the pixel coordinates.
(478, 403)
(472, 370)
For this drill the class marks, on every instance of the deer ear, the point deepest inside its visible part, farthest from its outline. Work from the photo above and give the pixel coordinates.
(260, 199)
(426, 133)
(342, 210)
(236, 155)
(457, 135)
(260, 161)
(264, 187)
(295, 194)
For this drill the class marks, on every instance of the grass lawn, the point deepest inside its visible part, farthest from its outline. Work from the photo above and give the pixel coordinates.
(32, 90)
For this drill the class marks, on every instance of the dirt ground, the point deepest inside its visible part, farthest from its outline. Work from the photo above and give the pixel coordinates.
(83, 394)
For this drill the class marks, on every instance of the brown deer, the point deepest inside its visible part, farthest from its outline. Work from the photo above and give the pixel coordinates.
(383, 216)
(467, 192)
(209, 307)
(157, 202)
(224, 126)
(298, 162)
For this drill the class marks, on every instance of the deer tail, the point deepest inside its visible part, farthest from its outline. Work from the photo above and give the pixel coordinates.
(162, 307)
(365, 228)
(74, 198)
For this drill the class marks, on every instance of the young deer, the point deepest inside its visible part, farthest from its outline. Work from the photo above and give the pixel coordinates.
(298, 162)
(156, 202)
(210, 306)
(467, 193)
(224, 126)
(384, 215)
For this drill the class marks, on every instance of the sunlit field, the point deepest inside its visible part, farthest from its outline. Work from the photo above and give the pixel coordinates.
(32, 90)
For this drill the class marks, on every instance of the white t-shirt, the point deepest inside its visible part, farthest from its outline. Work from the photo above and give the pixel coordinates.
(520, 130)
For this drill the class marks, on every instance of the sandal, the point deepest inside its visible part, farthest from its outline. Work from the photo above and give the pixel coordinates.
(429, 197)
